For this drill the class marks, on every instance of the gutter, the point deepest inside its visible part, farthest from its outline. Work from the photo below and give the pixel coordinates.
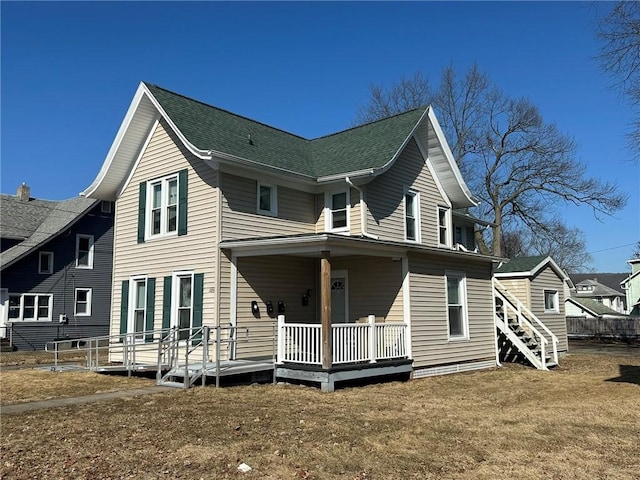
(363, 210)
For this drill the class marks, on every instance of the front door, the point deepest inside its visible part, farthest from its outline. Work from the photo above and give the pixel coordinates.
(339, 297)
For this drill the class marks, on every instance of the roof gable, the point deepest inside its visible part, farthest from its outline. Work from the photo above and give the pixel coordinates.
(62, 215)
(528, 267)
(215, 134)
(595, 308)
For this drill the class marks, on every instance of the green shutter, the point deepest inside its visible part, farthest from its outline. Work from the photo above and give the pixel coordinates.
(198, 290)
(166, 303)
(151, 301)
(182, 202)
(124, 308)
(142, 203)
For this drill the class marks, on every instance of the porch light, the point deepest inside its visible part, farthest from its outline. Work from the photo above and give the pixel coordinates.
(255, 309)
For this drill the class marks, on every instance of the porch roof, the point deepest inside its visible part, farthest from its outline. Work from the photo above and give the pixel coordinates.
(311, 245)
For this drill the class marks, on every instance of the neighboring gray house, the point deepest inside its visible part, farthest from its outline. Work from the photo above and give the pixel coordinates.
(55, 271)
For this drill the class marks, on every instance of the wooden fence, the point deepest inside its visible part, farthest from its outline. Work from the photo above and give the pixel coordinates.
(621, 327)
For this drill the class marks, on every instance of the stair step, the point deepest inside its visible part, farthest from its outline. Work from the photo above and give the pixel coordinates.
(166, 383)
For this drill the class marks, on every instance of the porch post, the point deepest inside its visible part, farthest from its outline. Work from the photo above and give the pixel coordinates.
(325, 299)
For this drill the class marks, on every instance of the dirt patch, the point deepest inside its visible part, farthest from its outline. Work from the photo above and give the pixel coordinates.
(513, 422)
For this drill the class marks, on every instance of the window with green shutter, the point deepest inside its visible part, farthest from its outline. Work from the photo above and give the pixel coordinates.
(162, 207)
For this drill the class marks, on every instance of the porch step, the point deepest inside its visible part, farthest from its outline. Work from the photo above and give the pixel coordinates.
(166, 383)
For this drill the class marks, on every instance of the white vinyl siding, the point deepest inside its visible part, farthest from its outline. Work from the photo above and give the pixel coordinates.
(548, 280)
(385, 198)
(239, 206)
(431, 345)
(158, 259)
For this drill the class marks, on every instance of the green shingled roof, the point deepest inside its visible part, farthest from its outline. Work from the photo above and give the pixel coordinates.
(522, 264)
(209, 128)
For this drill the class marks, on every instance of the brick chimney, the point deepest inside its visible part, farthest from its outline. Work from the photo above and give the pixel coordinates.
(24, 192)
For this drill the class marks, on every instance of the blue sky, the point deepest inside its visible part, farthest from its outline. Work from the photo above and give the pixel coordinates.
(69, 72)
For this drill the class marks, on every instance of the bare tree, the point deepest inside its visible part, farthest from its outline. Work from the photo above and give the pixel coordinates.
(521, 167)
(620, 57)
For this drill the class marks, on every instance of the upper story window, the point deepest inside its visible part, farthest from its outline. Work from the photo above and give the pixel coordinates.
(45, 262)
(337, 211)
(82, 304)
(30, 307)
(106, 206)
(551, 301)
(412, 215)
(443, 226)
(457, 305)
(163, 206)
(84, 251)
(162, 209)
(267, 199)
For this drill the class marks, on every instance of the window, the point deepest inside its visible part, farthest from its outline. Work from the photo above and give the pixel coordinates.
(411, 216)
(30, 307)
(163, 206)
(45, 263)
(84, 251)
(106, 206)
(550, 301)
(267, 199)
(443, 233)
(183, 304)
(337, 211)
(457, 305)
(82, 302)
(138, 307)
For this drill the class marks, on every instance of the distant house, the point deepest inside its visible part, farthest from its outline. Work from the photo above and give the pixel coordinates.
(603, 288)
(587, 307)
(55, 270)
(631, 287)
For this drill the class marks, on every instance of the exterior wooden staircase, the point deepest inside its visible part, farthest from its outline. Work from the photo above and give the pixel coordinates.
(522, 337)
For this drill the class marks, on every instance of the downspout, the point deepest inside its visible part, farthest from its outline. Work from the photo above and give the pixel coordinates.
(363, 210)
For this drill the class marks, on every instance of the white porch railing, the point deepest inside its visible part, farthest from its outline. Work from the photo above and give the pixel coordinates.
(352, 342)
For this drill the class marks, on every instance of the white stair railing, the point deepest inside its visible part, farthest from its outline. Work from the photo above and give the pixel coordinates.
(526, 319)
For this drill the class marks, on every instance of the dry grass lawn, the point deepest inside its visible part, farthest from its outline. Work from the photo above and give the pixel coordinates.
(513, 422)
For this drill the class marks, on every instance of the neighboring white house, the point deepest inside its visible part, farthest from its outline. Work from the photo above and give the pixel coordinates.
(631, 287)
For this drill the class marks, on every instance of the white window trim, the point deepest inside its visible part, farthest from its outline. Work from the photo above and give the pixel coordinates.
(36, 319)
(462, 276)
(131, 307)
(75, 302)
(175, 291)
(273, 200)
(91, 249)
(148, 221)
(418, 223)
(447, 221)
(556, 308)
(328, 211)
(40, 270)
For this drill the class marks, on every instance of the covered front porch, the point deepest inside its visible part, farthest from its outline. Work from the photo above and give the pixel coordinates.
(340, 304)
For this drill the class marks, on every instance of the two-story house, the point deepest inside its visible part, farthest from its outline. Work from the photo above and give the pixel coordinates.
(55, 270)
(355, 242)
